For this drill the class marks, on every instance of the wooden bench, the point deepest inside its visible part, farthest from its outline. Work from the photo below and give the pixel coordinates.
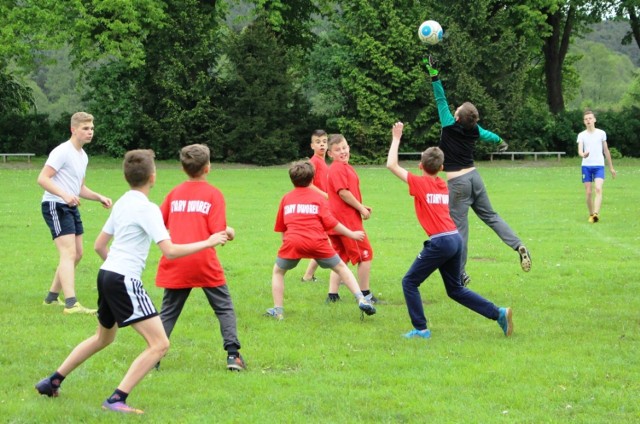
(28, 155)
(410, 154)
(535, 154)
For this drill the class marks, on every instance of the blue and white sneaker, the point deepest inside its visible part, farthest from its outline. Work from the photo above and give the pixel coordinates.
(275, 313)
(421, 334)
(505, 322)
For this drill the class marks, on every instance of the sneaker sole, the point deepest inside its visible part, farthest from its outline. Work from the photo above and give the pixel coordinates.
(525, 259)
(367, 309)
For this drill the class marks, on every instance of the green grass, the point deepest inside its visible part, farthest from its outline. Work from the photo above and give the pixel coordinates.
(573, 356)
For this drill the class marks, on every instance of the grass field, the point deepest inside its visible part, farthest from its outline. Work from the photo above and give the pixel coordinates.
(573, 356)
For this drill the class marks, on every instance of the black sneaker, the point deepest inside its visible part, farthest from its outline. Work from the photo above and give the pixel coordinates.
(236, 363)
(332, 298)
(44, 387)
(465, 279)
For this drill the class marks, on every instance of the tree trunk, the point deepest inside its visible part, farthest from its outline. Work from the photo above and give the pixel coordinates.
(555, 51)
(634, 21)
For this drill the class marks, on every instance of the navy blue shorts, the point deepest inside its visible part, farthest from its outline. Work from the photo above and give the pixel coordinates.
(122, 300)
(62, 219)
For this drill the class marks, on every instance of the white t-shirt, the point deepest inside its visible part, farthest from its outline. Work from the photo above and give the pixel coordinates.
(133, 223)
(593, 142)
(71, 166)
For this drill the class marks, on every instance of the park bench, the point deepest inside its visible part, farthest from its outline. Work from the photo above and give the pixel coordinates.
(535, 154)
(5, 155)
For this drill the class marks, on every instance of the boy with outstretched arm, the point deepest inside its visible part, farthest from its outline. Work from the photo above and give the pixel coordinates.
(303, 219)
(122, 300)
(443, 250)
(458, 138)
(192, 211)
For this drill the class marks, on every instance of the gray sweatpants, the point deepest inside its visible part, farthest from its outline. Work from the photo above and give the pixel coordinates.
(466, 191)
(219, 298)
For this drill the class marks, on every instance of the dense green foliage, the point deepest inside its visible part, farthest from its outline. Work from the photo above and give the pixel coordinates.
(252, 79)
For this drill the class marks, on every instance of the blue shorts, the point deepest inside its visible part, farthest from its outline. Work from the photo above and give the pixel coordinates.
(62, 219)
(590, 173)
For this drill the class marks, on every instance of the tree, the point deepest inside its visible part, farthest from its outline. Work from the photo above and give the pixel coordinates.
(265, 111)
(15, 96)
(566, 19)
(631, 8)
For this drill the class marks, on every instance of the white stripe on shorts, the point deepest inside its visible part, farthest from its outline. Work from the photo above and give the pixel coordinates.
(55, 218)
(142, 304)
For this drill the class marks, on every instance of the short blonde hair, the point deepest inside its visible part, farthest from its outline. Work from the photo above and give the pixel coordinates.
(80, 118)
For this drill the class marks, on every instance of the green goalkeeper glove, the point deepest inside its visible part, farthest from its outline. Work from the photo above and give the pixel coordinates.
(430, 64)
(503, 146)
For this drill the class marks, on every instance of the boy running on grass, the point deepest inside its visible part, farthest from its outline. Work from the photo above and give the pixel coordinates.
(122, 300)
(304, 219)
(444, 249)
(319, 141)
(192, 211)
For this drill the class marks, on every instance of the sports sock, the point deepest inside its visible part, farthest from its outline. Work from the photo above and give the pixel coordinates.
(70, 301)
(334, 296)
(51, 297)
(118, 396)
(366, 292)
(56, 379)
(359, 296)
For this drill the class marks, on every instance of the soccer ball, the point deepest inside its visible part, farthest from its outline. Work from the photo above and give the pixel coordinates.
(430, 32)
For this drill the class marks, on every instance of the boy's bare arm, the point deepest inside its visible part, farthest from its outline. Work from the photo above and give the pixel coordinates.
(351, 200)
(392, 157)
(354, 235)
(317, 190)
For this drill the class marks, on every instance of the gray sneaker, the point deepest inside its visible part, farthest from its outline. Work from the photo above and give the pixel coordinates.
(366, 306)
(275, 313)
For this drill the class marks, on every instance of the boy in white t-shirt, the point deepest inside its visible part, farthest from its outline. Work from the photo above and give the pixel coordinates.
(593, 148)
(62, 178)
(122, 299)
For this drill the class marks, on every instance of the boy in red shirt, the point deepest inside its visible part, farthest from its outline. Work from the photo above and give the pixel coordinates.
(345, 201)
(319, 146)
(192, 211)
(304, 219)
(444, 248)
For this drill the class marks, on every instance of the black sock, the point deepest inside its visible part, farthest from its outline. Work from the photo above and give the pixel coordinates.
(334, 296)
(51, 297)
(70, 301)
(118, 396)
(366, 292)
(56, 379)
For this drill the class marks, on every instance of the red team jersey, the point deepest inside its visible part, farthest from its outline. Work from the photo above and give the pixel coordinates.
(320, 179)
(304, 218)
(342, 176)
(431, 200)
(192, 212)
